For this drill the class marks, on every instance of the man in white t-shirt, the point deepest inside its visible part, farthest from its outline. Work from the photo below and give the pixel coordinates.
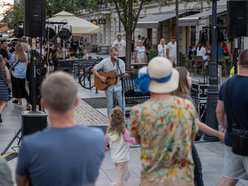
(162, 48)
(121, 46)
(171, 50)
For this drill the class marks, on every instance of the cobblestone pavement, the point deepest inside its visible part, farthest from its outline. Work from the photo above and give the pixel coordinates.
(87, 115)
(211, 154)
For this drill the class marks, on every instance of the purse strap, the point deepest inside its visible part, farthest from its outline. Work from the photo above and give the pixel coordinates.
(229, 108)
(15, 64)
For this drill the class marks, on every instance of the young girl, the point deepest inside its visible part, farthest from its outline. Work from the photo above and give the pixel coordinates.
(183, 91)
(118, 139)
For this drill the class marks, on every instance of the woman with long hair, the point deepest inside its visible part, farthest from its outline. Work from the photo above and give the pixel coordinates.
(4, 88)
(18, 63)
(183, 91)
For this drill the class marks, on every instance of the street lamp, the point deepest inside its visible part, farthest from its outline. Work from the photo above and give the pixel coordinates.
(177, 34)
(213, 80)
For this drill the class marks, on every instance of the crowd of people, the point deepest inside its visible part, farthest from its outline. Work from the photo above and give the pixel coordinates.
(164, 126)
(15, 67)
(204, 50)
(143, 51)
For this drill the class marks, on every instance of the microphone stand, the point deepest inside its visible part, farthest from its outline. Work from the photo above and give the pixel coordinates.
(122, 84)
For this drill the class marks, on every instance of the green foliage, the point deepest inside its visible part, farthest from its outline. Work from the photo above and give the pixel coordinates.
(72, 6)
(52, 7)
(15, 14)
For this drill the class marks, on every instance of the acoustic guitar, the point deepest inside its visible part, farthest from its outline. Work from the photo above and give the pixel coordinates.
(111, 79)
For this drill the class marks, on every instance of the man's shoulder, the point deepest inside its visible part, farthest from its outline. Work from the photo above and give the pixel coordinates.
(104, 61)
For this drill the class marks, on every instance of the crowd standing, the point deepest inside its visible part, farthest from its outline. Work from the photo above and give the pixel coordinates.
(164, 126)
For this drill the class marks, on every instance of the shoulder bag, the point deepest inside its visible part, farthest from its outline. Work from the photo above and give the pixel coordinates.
(13, 67)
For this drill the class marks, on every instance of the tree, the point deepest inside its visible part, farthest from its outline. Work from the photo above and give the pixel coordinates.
(15, 14)
(128, 12)
(72, 6)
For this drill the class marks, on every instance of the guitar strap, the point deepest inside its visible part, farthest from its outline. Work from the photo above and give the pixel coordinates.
(118, 67)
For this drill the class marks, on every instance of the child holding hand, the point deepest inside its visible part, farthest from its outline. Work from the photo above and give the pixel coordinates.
(118, 139)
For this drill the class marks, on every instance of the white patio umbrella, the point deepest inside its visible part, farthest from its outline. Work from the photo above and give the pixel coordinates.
(79, 26)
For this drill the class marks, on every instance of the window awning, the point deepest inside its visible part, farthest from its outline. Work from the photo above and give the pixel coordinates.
(193, 20)
(151, 21)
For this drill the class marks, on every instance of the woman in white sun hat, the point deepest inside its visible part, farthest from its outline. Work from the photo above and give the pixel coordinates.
(164, 126)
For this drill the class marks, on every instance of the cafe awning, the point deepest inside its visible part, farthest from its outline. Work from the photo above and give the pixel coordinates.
(193, 20)
(151, 21)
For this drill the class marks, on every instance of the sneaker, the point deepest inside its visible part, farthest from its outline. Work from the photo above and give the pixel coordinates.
(1, 118)
(15, 101)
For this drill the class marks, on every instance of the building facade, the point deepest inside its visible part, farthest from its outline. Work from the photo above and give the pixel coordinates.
(156, 22)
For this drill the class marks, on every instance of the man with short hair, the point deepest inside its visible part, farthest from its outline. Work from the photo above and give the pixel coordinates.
(4, 52)
(112, 63)
(171, 51)
(121, 46)
(64, 153)
(233, 102)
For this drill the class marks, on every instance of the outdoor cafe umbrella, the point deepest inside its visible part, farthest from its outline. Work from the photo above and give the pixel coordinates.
(78, 25)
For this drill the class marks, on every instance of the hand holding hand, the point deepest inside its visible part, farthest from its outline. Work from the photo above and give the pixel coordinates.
(221, 136)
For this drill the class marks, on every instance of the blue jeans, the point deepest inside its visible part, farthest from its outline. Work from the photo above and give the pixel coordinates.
(110, 95)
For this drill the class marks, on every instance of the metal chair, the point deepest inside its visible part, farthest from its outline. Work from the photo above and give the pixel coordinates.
(198, 64)
(222, 62)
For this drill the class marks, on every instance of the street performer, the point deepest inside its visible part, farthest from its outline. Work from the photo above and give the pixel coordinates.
(112, 63)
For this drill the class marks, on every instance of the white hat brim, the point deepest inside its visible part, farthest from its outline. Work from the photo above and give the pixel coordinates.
(166, 87)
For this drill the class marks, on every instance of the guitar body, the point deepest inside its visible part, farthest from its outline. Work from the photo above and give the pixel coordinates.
(111, 77)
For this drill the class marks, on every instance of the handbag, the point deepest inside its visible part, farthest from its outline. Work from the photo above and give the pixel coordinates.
(239, 136)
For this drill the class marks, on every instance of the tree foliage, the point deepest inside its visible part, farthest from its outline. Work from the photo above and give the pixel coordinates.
(16, 13)
(72, 6)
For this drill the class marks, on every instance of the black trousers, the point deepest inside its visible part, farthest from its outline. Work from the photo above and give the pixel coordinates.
(198, 167)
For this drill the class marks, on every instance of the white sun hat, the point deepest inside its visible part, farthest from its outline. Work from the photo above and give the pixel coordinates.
(163, 77)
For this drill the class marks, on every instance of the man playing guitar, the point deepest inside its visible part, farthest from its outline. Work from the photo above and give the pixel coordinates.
(112, 63)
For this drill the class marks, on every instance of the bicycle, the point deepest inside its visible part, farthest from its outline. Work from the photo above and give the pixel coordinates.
(85, 78)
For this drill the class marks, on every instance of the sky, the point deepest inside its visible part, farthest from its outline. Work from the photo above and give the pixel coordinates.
(4, 1)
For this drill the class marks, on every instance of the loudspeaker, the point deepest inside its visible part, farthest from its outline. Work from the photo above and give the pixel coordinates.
(237, 18)
(34, 24)
(64, 33)
(33, 122)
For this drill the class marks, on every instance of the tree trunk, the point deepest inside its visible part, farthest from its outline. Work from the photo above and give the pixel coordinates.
(128, 49)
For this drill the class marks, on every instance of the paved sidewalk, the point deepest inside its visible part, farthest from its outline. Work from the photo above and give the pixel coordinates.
(211, 154)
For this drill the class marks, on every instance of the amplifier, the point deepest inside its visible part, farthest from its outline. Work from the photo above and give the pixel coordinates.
(199, 91)
(33, 121)
(201, 108)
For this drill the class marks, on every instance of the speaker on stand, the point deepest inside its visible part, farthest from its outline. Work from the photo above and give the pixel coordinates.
(34, 26)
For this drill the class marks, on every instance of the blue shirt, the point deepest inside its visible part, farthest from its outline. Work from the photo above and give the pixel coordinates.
(20, 68)
(236, 97)
(62, 156)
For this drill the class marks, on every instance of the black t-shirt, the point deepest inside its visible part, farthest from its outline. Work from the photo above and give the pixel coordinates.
(4, 53)
(236, 97)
